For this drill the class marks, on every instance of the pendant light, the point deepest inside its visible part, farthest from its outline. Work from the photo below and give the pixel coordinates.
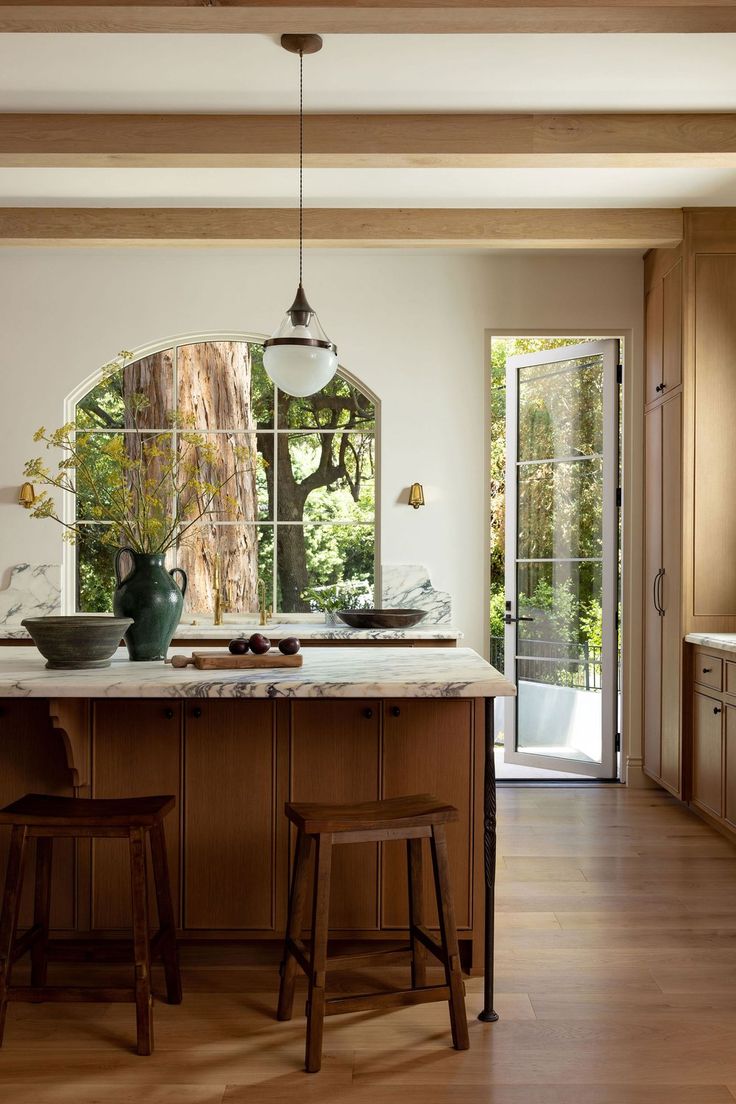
(300, 358)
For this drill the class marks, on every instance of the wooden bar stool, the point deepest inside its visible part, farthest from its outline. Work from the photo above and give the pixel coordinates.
(408, 818)
(48, 818)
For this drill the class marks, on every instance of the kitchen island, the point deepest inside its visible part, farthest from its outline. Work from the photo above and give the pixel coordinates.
(352, 724)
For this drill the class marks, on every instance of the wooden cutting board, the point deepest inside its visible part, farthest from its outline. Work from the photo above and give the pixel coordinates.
(212, 661)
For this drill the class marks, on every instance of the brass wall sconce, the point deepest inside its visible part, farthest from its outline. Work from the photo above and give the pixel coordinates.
(27, 496)
(416, 495)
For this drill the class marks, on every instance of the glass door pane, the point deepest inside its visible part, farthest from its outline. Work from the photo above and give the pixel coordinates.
(561, 557)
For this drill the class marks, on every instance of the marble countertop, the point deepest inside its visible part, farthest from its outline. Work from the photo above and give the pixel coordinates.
(326, 673)
(304, 630)
(725, 641)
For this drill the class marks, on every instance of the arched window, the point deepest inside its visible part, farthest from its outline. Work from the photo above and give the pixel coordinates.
(305, 516)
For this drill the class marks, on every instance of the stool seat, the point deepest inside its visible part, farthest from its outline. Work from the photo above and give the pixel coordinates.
(416, 811)
(53, 811)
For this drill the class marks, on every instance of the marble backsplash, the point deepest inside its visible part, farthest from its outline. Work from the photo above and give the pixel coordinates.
(409, 586)
(33, 590)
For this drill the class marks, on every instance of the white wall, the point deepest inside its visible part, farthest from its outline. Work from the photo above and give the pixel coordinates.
(411, 325)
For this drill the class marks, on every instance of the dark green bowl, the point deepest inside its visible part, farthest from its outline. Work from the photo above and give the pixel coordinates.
(78, 642)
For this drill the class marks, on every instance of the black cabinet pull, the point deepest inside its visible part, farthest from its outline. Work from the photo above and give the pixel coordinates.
(395, 711)
(716, 709)
(367, 713)
(168, 714)
(707, 670)
(197, 712)
(660, 387)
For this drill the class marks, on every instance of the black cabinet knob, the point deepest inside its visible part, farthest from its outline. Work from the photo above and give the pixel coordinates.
(196, 712)
(716, 709)
(707, 670)
(367, 713)
(395, 711)
(168, 714)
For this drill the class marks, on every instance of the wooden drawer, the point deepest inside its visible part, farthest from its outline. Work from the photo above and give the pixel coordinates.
(730, 682)
(708, 671)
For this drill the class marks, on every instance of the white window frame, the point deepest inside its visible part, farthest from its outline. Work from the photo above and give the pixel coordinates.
(69, 557)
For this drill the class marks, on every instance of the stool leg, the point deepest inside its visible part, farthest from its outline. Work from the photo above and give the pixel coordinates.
(41, 910)
(297, 901)
(9, 917)
(169, 946)
(141, 941)
(416, 912)
(320, 931)
(448, 935)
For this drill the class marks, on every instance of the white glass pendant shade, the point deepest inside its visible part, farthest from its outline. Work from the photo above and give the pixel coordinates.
(300, 359)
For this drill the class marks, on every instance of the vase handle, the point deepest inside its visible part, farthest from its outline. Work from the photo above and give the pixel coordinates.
(183, 585)
(120, 579)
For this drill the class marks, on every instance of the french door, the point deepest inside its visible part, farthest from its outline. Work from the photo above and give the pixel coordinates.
(561, 558)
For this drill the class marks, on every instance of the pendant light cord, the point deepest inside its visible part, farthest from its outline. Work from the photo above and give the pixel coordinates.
(301, 163)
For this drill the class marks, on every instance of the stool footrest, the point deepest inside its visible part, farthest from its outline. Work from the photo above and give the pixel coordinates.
(64, 993)
(428, 940)
(23, 945)
(368, 958)
(334, 1006)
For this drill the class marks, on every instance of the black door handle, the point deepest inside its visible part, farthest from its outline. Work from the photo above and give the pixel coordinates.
(168, 714)
(511, 620)
(368, 713)
(196, 712)
(395, 711)
(716, 709)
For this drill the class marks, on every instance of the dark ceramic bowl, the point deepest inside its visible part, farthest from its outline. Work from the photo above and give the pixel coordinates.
(382, 618)
(78, 642)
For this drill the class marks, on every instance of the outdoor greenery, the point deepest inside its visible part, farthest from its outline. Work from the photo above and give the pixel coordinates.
(304, 517)
(559, 508)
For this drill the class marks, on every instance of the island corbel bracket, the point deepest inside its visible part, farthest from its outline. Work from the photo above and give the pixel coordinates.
(488, 1013)
(70, 719)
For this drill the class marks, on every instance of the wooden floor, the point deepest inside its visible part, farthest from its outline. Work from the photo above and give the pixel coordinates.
(616, 974)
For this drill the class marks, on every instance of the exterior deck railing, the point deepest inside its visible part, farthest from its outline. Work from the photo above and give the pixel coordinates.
(575, 664)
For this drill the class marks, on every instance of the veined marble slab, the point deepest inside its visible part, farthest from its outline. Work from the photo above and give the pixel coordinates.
(311, 630)
(725, 641)
(408, 586)
(34, 590)
(327, 673)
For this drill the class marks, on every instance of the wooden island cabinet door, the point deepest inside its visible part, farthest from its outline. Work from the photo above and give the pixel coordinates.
(32, 760)
(230, 815)
(335, 748)
(136, 751)
(428, 747)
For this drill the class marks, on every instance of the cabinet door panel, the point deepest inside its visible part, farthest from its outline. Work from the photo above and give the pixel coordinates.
(32, 760)
(135, 752)
(671, 590)
(230, 815)
(730, 765)
(652, 620)
(707, 753)
(653, 323)
(714, 568)
(672, 328)
(428, 748)
(335, 757)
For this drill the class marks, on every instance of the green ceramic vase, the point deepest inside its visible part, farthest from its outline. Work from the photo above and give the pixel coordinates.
(151, 596)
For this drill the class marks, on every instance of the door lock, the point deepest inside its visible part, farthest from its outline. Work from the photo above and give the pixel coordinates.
(509, 619)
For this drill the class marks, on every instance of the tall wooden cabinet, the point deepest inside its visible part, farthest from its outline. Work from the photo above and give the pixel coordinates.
(662, 614)
(690, 512)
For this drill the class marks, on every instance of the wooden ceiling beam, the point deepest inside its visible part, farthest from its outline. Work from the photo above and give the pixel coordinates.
(369, 140)
(556, 228)
(370, 16)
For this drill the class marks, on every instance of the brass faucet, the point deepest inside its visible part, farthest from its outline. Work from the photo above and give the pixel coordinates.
(263, 610)
(217, 590)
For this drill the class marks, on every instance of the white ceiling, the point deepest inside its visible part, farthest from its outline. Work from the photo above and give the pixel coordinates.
(370, 187)
(46, 72)
(232, 73)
